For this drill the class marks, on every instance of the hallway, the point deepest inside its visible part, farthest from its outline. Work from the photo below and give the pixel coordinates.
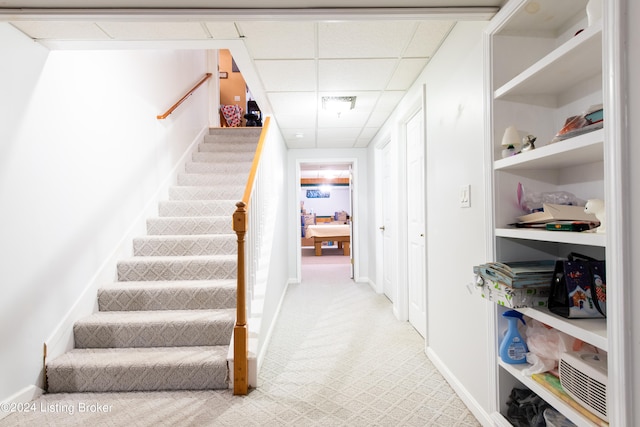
(337, 357)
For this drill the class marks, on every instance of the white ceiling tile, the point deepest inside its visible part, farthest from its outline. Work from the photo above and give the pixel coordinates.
(357, 39)
(222, 30)
(287, 75)
(338, 133)
(368, 133)
(281, 40)
(378, 118)
(307, 141)
(354, 74)
(154, 30)
(388, 100)
(428, 38)
(293, 102)
(287, 120)
(61, 30)
(348, 119)
(336, 143)
(406, 73)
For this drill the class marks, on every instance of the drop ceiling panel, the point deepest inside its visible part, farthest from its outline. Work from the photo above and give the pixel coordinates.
(428, 38)
(221, 30)
(388, 100)
(364, 39)
(378, 118)
(348, 119)
(61, 30)
(155, 30)
(282, 40)
(287, 75)
(406, 73)
(294, 121)
(294, 102)
(354, 74)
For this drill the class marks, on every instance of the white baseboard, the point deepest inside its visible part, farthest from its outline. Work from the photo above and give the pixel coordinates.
(483, 416)
(25, 395)
(61, 339)
(267, 338)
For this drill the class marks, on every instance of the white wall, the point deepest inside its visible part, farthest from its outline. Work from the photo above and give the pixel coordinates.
(457, 321)
(338, 200)
(82, 157)
(273, 280)
(362, 217)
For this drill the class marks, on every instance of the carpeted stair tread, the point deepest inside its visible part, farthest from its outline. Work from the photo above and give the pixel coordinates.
(139, 369)
(177, 268)
(232, 135)
(222, 156)
(166, 328)
(197, 207)
(209, 179)
(213, 144)
(167, 295)
(204, 167)
(185, 245)
(189, 225)
(224, 192)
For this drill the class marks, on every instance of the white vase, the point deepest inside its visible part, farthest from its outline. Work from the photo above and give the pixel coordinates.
(594, 11)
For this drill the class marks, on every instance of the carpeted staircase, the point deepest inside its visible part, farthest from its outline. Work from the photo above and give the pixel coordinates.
(166, 323)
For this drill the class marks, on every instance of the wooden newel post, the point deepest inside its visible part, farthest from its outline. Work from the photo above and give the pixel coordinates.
(240, 332)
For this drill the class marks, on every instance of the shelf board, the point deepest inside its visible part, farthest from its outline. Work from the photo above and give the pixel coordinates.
(559, 405)
(551, 17)
(579, 150)
(571, 237)
(576, 60)
(591, 331)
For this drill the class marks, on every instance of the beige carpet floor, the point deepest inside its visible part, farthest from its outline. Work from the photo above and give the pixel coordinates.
(338, 357)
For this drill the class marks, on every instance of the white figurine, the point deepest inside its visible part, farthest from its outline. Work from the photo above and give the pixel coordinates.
(596, 207)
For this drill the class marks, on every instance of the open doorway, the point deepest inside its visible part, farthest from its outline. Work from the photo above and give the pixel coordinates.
(325, 193)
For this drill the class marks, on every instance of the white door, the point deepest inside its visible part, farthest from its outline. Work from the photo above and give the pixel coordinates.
(387, 227)
(416, 257)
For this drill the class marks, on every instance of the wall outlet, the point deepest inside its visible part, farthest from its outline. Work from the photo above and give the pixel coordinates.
(465, 196)
(236, 98)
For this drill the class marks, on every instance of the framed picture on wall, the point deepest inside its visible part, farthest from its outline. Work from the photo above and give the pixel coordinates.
(318, 194)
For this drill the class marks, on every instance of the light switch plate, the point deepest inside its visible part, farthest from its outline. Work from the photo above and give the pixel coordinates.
(465, 196)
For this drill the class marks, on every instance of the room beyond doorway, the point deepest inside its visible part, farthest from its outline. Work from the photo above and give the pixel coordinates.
(325, 193)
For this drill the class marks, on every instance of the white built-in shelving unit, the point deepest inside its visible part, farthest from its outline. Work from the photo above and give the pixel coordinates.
(545, 64)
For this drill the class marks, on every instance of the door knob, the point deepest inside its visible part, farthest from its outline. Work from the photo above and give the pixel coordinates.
(381, 228)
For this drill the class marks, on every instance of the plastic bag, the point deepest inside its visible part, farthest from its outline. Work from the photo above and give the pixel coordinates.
(531, 201)
(546, 345)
